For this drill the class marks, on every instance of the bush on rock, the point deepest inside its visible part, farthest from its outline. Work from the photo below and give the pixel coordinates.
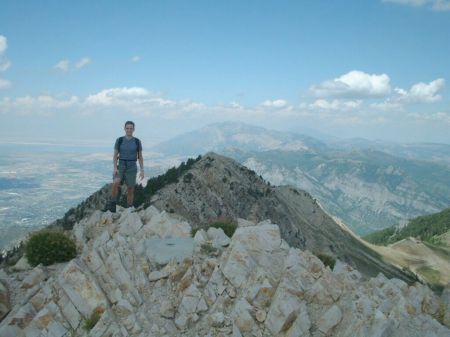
(48, 247)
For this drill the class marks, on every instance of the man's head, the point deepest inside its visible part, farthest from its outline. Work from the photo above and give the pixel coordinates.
(129, 128)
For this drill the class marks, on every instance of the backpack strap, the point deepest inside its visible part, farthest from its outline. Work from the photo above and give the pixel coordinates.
(138, 145)
(120, 143)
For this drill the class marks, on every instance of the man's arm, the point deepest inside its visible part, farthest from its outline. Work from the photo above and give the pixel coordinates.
(115, 157)
(141, 165)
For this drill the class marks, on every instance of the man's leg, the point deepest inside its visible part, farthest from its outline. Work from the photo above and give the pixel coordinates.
(130, 196)
(115, 189)
(130, 179)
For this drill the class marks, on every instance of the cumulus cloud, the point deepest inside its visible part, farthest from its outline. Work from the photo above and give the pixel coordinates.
(62, 66)
(422, 92)
(387, 105)
(135, 59)
(437, 5)
(40, 105)
(83, 62)
(336, 104)
(419, 93)
(3, 44)
(441, 117)
(4, 84)
(354, 84)
(278, 103)
(125, 95)
(4, 62)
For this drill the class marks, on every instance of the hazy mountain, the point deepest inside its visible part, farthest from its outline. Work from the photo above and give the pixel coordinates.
(438, 153)
(219, 136)
(368, 189)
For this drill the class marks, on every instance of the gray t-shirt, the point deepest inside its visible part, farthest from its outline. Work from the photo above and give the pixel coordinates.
(128, 149)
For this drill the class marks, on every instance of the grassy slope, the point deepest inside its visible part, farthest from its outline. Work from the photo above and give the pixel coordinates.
(422, 246)
(428, 228)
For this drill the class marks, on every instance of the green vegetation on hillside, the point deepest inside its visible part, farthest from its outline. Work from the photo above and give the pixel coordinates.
(142, 195)
(425, 228)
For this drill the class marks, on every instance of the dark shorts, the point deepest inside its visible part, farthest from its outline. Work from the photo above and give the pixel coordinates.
(127, 172)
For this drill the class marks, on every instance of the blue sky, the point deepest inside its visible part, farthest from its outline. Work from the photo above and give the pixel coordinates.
(75, 71)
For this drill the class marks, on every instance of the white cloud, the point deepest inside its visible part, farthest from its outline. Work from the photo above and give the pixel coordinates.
(422, 92)
(40, 105)
(4, 62)
(3, 44)
(387, 105)
(4, 84)
(336, 104)
(83, 62)
(62, 66)
(117, 96)
(4, 65)
(236, 105)
(65, 65)
(437, 5)
(278, 103)
(355, 84)
(135, 59)
(441, 117)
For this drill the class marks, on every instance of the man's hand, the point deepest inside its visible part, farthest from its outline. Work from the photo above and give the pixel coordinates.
(141, 174)
(115, 173)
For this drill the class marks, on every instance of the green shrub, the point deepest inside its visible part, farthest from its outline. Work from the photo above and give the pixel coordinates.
(90, 322)
(48, 247)
(327, 260)
(228, 227)
(194, 231)
(440, 313)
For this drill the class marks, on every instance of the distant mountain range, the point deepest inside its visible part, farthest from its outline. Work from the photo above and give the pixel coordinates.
(354, 180)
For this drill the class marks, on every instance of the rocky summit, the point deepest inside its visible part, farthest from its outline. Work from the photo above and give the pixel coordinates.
(219, 187)
(140, 273)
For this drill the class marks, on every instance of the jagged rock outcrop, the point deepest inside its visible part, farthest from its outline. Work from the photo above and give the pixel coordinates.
(252, 285)
(217, 186)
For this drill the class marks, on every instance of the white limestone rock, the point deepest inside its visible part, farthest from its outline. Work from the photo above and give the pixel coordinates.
(22, 264)
(167, 309)
(217, 319)
(129, 222)
(34, 278)
(201, 237)
(162, 251)
(218, 238)
(81, 288)
(163, 225)
(330, 319)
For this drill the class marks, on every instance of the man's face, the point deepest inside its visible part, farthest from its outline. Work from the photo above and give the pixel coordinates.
(129, 129)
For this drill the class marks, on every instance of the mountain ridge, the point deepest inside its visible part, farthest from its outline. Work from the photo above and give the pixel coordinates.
(367, 188)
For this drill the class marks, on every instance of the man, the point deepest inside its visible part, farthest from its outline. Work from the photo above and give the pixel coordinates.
(127, 150)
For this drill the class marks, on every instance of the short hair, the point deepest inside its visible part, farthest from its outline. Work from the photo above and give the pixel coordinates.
(129, 122)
